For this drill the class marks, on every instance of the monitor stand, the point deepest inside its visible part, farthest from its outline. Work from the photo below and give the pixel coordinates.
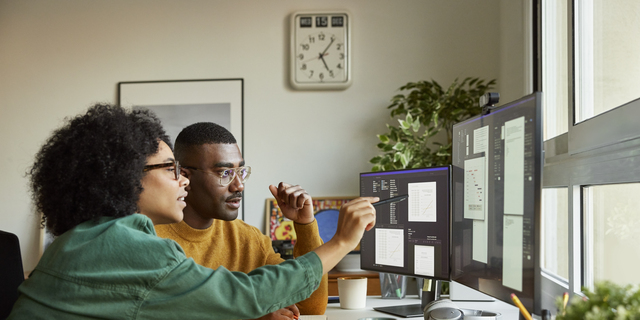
(405, 311)
(430, 291)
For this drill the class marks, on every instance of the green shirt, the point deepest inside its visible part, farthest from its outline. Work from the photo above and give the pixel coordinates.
(119, 269)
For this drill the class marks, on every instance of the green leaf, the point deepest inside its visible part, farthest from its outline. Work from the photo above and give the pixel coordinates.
(409, 118)
(375, 159)
(404, 124)
(399, 146)
(394, 135)
(403, 160)
(398, 97)
(383, 138)
(416, 125)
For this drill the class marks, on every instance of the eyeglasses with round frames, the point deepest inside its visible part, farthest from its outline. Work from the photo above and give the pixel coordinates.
(174, 164)
(228, 175)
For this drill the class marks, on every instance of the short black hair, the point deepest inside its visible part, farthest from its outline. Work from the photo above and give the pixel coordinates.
(93, 166)
(199, 134)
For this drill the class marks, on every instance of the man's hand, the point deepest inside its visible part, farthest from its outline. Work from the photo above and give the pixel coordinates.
(287, 313)
(294, 202)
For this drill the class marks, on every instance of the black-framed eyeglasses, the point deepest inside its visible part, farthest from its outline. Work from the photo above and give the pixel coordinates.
(174, 164)
(226, 176)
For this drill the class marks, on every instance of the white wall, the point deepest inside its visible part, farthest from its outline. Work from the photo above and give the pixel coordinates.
(59, 57)
(516, 50)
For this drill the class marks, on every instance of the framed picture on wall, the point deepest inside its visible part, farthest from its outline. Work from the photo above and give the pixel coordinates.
(179, 103)
(325, 208)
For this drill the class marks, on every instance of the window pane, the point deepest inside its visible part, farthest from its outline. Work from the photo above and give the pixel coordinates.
(555, 70)
(615, 222)
(555, 231)
(609, 55)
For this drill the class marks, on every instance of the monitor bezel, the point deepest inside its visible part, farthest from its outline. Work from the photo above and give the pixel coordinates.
(448, 249)
(532, 303)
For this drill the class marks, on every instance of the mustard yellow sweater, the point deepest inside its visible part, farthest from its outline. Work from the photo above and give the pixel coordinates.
(240, 247)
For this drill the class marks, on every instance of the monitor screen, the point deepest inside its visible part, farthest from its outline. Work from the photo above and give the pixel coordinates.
(497, 174)
(411, 237)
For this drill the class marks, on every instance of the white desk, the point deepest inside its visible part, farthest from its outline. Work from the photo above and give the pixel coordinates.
(334, 312)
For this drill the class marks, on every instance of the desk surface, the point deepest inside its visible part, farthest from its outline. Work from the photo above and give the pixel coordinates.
(334, 312)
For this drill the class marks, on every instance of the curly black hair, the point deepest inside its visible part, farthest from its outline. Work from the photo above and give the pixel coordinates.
(92, 167)
(201, 133)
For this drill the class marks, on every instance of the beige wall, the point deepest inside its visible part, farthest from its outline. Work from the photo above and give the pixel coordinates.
(516, 50)
(58, 57)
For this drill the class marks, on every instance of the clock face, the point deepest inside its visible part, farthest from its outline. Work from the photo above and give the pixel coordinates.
(320, 51)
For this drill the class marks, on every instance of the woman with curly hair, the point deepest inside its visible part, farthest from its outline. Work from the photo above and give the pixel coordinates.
(102, 182)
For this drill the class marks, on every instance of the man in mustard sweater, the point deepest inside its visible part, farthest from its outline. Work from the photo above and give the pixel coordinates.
(211, 235)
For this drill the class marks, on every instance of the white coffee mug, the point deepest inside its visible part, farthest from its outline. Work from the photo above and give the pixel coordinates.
(352, 292)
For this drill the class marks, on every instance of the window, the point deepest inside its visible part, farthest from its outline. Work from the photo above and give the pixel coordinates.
(588, 71)
(607, 61)
(555, 65)
(555, 238)
(611, 215)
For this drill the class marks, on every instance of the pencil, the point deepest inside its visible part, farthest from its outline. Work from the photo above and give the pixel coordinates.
(523, 310)
(391, 200)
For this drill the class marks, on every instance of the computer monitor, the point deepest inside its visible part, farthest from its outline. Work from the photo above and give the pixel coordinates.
(410, 237)
(497, 180)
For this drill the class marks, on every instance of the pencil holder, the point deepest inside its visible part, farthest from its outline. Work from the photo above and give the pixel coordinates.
(392, 286)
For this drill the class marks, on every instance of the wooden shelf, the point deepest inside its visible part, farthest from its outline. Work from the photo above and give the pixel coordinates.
(373, 281)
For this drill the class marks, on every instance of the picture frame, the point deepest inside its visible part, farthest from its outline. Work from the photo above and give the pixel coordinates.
(179, 103)
(277, 227)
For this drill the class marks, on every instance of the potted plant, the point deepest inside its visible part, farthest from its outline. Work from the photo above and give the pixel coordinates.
(606, 301)
(428, 109)
(425, 109)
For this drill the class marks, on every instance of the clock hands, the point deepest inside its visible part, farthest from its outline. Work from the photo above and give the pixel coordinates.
(327, 48)
(325, 63)
(314, 58)
(324, 53)
(320, 57)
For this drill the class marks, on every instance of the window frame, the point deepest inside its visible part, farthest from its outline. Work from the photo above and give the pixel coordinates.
(592, 152)
(544, 233)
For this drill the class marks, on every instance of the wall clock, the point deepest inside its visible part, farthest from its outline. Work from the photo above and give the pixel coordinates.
(320, 50)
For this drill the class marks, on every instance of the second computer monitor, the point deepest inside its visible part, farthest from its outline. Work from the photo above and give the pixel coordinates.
(497, 178)
(410, 237)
